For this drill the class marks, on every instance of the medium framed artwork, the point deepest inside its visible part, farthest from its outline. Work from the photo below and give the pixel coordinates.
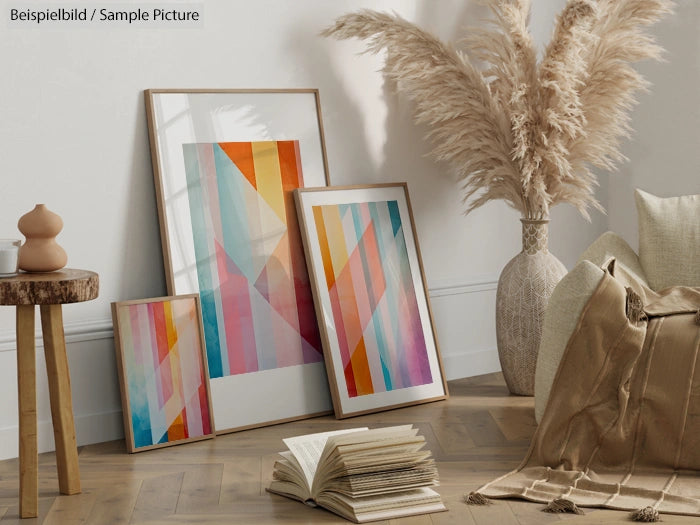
(371, 299)
(225, 164)
(162, 372)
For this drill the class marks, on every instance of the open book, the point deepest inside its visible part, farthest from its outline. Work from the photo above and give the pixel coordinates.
(362, 475)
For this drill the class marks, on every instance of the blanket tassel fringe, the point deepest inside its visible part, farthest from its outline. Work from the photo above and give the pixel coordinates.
(562, 505)
(634, 307)
(647, 514)
(474, 498)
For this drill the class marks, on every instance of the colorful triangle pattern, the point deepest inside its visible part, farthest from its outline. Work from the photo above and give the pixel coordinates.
(372, 295)
(164, 371)
(250, 262)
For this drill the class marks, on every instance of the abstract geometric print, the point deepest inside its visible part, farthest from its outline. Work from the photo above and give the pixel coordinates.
(164, 371)
(256, 301)
(375, 311)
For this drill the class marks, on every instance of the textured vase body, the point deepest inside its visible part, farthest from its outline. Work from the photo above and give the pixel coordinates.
(524, 287)
(40, 252)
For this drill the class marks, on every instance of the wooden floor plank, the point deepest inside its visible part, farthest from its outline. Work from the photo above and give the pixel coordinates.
(73, 510)
(457, 513)
(516, 423)
(11, 517)
(452, 435)
(499, 513)
(200, 489)
(158, 497)
(114, 504)
(483, 430)
(242, 477)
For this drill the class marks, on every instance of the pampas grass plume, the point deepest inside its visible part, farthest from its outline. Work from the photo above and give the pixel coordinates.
(525, 132)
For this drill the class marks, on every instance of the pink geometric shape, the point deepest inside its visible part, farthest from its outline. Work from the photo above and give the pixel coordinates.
(237, 314)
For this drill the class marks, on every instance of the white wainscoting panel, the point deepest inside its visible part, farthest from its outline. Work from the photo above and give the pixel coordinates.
(94, 385)
(465, 322)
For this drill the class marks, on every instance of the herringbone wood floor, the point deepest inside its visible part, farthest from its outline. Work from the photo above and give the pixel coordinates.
(476, 435)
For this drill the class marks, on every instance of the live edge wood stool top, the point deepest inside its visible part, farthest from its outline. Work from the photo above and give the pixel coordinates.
(49, 291)
(59, 287)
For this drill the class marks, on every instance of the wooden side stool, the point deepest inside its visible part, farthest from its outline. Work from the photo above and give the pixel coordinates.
(49, 291)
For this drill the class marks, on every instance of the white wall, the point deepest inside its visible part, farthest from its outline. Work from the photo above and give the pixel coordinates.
(665, 152)
(73, 136)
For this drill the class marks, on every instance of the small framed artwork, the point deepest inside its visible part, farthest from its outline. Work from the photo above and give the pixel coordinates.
(225, 164)
(162, 372)
(371, 299)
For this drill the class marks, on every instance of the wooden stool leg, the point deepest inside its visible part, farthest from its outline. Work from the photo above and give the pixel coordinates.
(61, 402)
(26, 386)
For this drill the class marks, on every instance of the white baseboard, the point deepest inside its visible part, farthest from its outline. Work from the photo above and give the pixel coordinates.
(75, 332)
(445, 288)
(470, 364)
(94, 428)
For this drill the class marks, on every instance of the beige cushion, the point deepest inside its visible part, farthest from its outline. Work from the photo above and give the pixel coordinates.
(561, 316)
(669, 239)
(610, 245)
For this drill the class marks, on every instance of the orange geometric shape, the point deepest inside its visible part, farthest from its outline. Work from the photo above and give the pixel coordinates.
(290, 164)
(360, 369)
(241, 154)
(324, 246)
(169, 326)
(177, 429)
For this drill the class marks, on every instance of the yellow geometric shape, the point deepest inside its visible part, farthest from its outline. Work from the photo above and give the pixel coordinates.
(268, 176)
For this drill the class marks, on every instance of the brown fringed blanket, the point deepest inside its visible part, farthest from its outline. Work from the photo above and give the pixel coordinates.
(622, 424)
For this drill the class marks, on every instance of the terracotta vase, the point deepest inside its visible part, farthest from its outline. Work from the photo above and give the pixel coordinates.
(524, 288)
(41, 253)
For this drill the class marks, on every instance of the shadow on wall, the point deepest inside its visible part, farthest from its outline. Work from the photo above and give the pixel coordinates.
(142, 271)
(349, 159)
(446, 237)
(663, 149)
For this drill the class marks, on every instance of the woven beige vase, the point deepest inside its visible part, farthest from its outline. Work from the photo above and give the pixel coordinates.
(524, 288)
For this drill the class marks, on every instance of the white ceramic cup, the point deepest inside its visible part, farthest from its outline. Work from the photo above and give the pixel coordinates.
(9, 251)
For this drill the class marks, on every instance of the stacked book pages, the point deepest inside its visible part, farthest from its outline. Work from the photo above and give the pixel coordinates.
(360, 474)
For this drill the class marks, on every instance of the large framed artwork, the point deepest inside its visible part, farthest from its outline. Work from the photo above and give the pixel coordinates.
(371, 299)
(225, 164)
(162, 371)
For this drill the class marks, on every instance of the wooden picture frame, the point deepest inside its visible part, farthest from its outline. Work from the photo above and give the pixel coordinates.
(225, 163)
(371, 297)
(162, 370)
